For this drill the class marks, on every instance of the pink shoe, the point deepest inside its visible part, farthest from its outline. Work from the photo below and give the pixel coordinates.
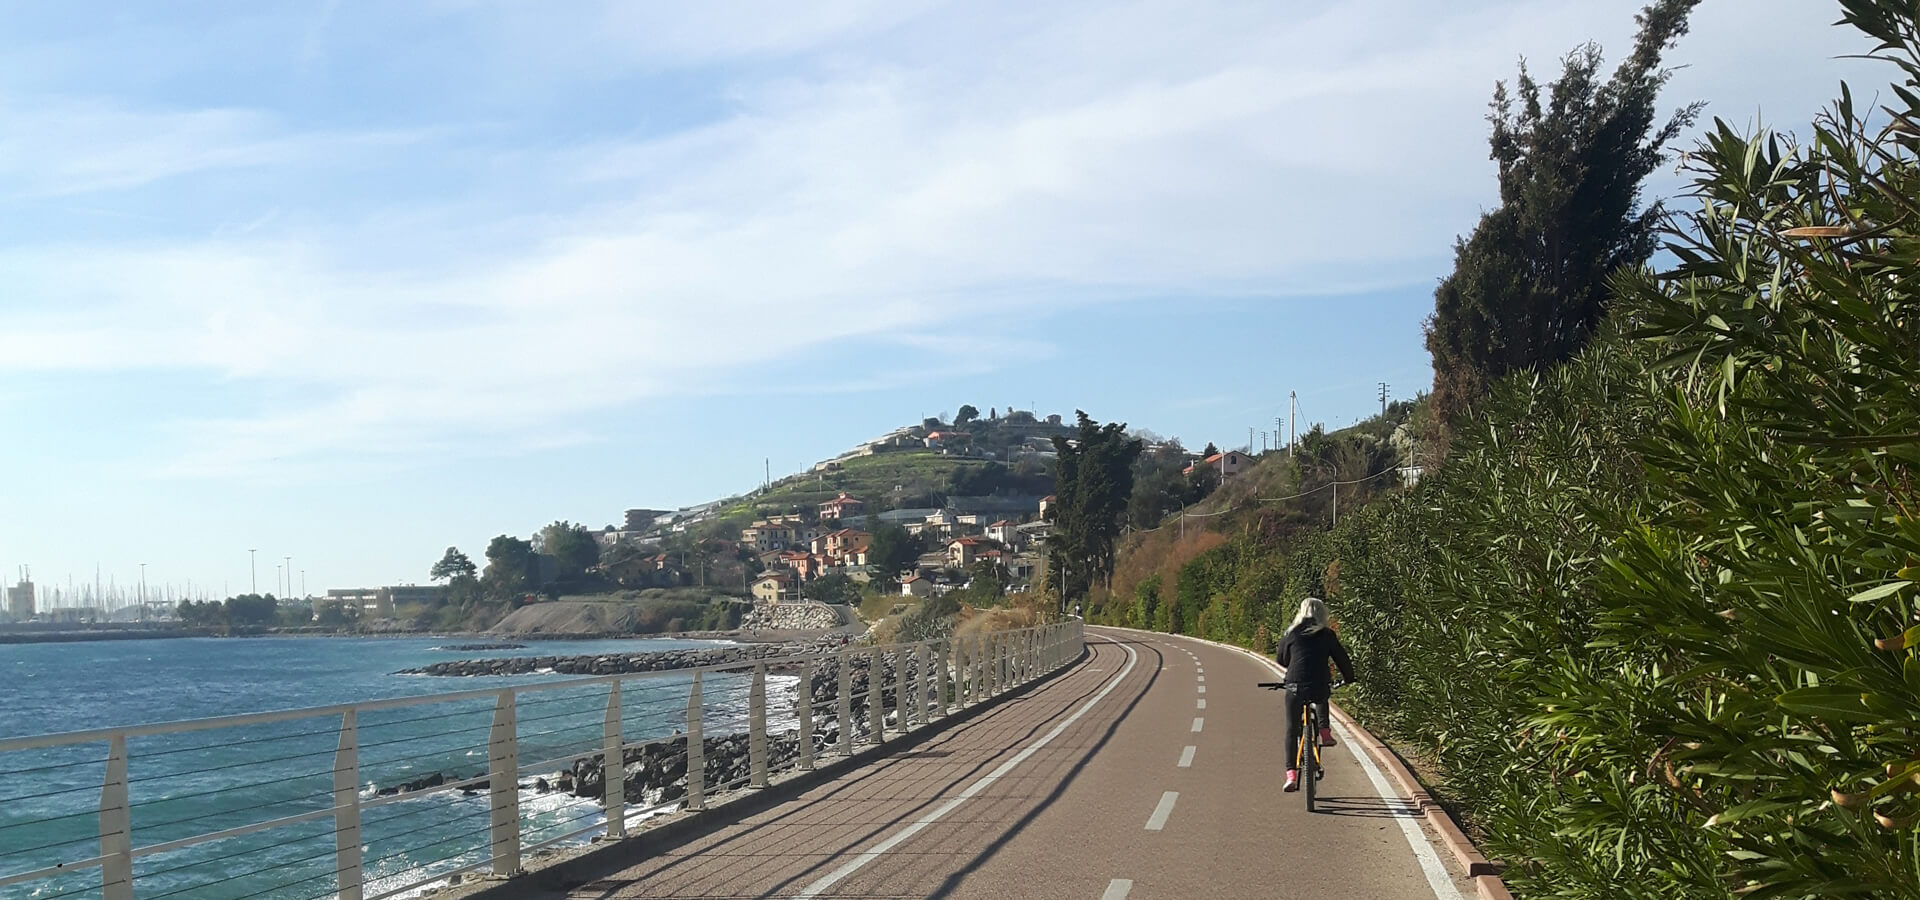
(1326, 737)
(1293, 781)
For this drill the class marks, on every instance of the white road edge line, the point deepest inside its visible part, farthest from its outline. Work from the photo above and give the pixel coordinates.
(1437, 878)
(1118, 889)
(878, 850)
(1186, 757)
(1158, 820)
(1197, 722)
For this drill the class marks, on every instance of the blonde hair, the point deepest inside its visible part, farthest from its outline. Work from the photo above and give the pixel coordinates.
(1312, 615)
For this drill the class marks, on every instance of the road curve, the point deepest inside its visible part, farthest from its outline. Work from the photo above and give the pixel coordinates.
(1149, 770)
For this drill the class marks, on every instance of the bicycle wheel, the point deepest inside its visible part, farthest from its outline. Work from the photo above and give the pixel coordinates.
(1310, 759)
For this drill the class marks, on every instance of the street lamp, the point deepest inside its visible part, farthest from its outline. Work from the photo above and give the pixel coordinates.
(143, 592)
(289, 560)
(253, 572)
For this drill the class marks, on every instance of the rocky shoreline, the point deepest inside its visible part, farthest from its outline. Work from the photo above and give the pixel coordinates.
(623, 663)
(476, 648)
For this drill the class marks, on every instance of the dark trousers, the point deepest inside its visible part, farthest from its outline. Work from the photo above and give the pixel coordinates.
(1296, 696)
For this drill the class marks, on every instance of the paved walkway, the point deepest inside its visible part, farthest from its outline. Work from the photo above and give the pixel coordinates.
(1150, 770)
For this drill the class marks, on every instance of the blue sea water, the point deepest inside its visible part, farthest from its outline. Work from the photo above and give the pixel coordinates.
(197, 782)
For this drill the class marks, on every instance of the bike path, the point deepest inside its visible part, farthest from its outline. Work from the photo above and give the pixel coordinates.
(1075, 789)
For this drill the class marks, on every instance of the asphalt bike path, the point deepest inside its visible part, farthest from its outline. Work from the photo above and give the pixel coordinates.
(1150, 769)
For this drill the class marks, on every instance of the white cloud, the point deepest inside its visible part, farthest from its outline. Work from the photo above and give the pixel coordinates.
(973, 166)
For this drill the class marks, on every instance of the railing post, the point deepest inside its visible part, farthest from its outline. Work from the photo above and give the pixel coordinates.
(346, 809)
(757, 728)
(696, 749)
(924, 699)
(845, 664)
(937, 659)
(805, 712)
(503, 786)
(958, 648)
(999, 664)
(613, 766)
(116, 826)
(877, 696)
(908, 697)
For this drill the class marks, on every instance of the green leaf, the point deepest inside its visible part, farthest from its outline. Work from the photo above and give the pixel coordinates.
(1881, 592)
(1827, 702)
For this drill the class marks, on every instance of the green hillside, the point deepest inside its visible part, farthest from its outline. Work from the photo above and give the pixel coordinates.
(901, 479)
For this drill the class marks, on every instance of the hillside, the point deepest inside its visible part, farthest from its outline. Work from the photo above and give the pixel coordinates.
(1217, 567)
(630, 612)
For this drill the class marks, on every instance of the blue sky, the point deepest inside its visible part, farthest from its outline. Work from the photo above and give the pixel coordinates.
(354, 281)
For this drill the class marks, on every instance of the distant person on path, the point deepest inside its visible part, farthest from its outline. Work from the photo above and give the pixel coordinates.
(1305, 651)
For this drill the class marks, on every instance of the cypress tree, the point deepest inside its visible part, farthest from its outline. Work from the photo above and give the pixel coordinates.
(1529, 284)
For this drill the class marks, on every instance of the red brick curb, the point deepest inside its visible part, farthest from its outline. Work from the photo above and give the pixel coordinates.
(1485, 874)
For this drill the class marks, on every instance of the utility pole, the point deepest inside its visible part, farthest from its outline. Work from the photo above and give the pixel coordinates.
(1383, 398)
(1293, 405)
(1249, 440)
(253, 572)
(303, 582)
(143, 592)
(289, 590)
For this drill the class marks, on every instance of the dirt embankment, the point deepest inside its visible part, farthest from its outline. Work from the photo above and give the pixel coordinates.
(579, 617)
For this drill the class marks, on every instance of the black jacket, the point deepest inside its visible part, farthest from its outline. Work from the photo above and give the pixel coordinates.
(1305, 655)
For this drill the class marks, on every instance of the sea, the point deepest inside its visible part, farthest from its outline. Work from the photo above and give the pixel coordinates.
(199, 782)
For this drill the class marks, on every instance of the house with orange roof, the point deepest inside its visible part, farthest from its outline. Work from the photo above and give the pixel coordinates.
(1230, 464)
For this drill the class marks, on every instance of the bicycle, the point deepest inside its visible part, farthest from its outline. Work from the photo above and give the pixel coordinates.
(1311, 770)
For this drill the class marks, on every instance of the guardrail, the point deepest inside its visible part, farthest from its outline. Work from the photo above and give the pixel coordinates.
(366, 801)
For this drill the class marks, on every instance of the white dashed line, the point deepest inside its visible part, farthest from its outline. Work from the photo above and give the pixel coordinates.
(1158, 820)
(1200, 704)
(1203, 679)
(1197, 722)
(1118, 889)
(1203, 689)
(1186, 757)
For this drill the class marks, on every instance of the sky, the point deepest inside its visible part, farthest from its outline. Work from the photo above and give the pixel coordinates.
(351, 282)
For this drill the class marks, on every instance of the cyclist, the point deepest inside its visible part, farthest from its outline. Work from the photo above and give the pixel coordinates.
(1304, 652)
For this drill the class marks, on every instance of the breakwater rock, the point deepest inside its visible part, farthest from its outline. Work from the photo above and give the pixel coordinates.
(622, 663)
(792, 617)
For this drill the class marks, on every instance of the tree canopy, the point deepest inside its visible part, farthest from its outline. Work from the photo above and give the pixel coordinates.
(510, 567)
(1093, 476)
(1529, 284)
(451, 565)
(573, 548)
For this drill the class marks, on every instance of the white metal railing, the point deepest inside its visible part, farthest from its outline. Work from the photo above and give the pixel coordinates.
(366, 801)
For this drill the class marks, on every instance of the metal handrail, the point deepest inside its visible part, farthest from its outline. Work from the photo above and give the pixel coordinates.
(928, 679)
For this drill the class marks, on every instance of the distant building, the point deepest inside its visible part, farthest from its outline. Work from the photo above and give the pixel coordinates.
(1006, 532)
(365, 600)
(643, 519)
(776, 587)
(20, 601)
(963, 552)
(1230, 464)
(915, 586)
(841, 507)
(429, 594)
